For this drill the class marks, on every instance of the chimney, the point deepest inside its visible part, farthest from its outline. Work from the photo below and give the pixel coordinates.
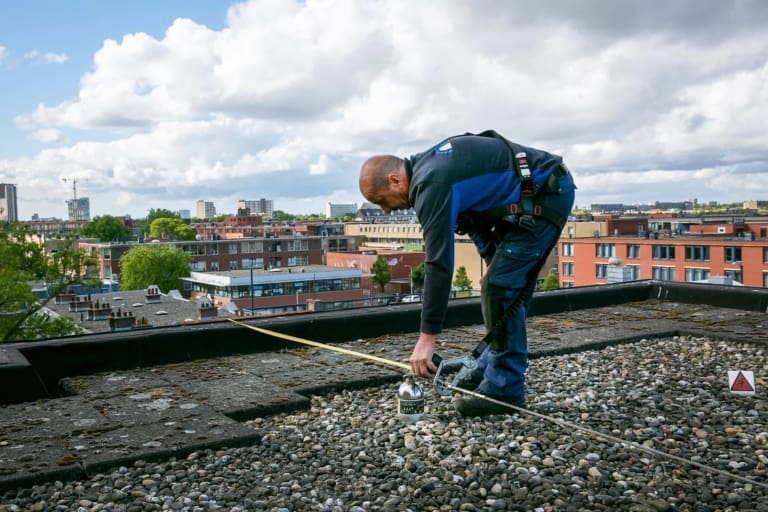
(206, 309)
(152, 294)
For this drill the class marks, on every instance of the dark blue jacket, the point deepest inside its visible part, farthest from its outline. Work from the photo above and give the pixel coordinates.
(466, 173)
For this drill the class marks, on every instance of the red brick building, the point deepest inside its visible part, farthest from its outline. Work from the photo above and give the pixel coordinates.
(233, 254)
(586, 261)
(401, 264)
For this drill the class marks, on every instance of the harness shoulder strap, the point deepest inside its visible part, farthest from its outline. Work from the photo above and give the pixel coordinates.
(530, 204)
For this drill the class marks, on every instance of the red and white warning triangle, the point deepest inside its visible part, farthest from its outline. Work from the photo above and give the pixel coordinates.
(741, 382)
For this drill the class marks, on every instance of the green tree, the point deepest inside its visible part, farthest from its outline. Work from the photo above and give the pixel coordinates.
(281, 215)
(171, 229)
(461, 279)
(162, 265)
(382, 274)
(550, 282)
(25, 265)
(106, 228)
(160, 213)
(418, 276)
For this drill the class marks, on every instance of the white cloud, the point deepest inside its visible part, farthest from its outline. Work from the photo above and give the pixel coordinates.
(289, 97)
(55, 58)
(47, 57)
(3, 53)
(47, 135)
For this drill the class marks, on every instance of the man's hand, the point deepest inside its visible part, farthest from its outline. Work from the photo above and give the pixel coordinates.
(421, 358)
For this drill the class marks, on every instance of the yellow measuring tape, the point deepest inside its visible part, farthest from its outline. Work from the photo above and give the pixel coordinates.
(322, 345)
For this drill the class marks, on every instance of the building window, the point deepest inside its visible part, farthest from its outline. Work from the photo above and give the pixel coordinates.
(734, 274)
(298, 245)
(605, 250)
(198, 266)
(664, 273)
(194, 249)
(213, 249)
(634, 272)
(732, 254)
(107, 254)
(601, 270)
(252, 247)
(697, 253)
(252, 263)
(633, 251)
(765, 254)
(567, 249)
(214, 265)
(232, 264)
(233, 248)
(296, 261)
(765, 279)
(663, 252)
(567, 284)
(567, 268)
(696, 274)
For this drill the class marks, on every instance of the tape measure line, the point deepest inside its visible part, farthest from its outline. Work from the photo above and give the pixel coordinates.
(322, 345)
(557, 421)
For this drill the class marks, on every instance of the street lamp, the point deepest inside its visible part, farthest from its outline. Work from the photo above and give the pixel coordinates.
(410, 276)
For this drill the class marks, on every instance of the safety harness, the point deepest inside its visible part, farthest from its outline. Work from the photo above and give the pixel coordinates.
(524, 214)
(531, 204)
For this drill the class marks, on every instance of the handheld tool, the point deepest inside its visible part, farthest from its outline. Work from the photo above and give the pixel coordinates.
(451, 371)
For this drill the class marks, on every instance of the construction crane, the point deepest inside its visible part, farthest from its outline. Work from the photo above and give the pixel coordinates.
(74, 211)
(74, 186)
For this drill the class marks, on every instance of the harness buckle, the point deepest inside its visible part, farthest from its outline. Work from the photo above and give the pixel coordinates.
(526, 221)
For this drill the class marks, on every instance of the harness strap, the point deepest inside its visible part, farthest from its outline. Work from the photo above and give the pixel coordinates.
(530, 206)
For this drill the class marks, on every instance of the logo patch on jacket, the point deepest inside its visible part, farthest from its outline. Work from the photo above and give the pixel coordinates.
(445, 149)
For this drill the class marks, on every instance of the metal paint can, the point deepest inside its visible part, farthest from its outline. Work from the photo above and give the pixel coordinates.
(410, 400)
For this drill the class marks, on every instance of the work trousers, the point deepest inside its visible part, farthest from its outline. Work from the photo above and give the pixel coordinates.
(509, 274)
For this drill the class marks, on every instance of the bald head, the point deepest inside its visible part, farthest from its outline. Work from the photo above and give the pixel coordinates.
(383, 181)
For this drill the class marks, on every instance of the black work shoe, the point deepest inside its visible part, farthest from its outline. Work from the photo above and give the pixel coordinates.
(471, 406)
(469, 382)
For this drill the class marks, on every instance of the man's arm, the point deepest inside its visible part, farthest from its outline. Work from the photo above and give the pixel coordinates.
(437, 219)
(421, 358)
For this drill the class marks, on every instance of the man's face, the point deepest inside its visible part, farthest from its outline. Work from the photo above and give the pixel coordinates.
(393, 197)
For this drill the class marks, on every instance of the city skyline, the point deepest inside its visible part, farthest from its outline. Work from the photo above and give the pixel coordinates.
(153, 105)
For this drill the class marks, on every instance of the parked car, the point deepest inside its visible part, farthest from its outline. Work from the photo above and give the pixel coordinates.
(411, 298)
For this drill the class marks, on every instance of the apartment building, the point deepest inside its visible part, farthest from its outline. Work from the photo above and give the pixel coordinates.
(205, 209)
(334, 210)
(264, 207)
(79, 208)
(262, 292)
(669, 256)
(249, 226)
(53, 227)
(9, 210)
(408, 236)
(228, 255)
(401, 264)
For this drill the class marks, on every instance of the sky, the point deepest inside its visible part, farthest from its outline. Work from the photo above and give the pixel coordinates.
(157, 104)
